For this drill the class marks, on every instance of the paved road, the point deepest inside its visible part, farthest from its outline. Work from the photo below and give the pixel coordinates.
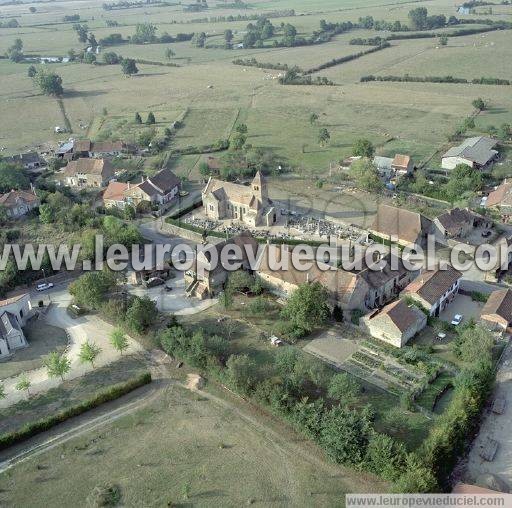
(496, 427)
(85, 328)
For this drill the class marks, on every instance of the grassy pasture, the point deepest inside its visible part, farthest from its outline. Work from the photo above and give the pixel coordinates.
(412, 118)
(209, 454)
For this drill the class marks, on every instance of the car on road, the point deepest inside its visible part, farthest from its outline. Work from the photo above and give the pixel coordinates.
(154, 281)
(457, 319)
(44, 286)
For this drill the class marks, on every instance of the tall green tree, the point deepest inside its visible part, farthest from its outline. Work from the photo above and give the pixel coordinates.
(89, 351)
(307, 306)
(364, 148)
(418, 18)
(138, 118)
(23, 384)
(82, 32)
(2, 391)
(228, 36)
(345, 435)
(323, 137)
(119, 340)
(479, 104)
(151, 119)
(141, 314)
(344, 388)
(48, 82)
(129, 66)
(91, 289)
(57, 365)
(366, 176)
(241, 372)
(12, 176)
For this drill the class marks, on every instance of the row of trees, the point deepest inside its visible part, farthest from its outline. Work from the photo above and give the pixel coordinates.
(58, 365)
(436, 79)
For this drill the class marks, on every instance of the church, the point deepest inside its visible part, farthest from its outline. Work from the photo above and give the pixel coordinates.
(247, 204)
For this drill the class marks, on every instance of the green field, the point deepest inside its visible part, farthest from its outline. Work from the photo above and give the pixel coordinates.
(186, 449)
(413, 118)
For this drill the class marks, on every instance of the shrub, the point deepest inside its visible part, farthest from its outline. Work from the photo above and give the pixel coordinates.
(106, 395)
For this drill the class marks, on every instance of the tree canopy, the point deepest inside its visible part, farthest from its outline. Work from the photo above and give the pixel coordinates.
(48, 82)
(12, 177)
(129, 66)
(366, 176)
(307, 307)
(91, 289)
(364, 148)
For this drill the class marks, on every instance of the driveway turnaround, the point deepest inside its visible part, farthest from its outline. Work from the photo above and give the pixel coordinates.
(80, 330)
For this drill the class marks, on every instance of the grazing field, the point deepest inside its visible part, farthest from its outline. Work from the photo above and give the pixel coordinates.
(210, 453)
(215, 94)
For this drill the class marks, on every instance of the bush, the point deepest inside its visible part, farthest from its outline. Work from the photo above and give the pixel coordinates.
(106, 395)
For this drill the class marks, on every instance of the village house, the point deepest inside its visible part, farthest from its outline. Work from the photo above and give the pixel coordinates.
(98, 149)
(29, 160)
(159, 189)
(402, 165)
(384, 166)
(389, 167)
(501, 198)
(346, 290)
(207, 277)
(14, 313)
(497, 311)
(86, 173)
(473, 152)
(459, 224)
(396, 323)
(214, 164)
(65, 151)
(434, 290)
(247, 204)
(401, 226)
(385, 284)
(18, 203)
(114, 194)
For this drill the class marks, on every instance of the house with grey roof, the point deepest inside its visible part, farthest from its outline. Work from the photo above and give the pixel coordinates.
(247, 204)
(434, 290)
(158, 189)
(462, 224)
(475, 152)
(14, 313)
(29, 160)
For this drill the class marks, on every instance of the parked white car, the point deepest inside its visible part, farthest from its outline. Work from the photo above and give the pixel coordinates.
(44, 286)
(457, 319)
